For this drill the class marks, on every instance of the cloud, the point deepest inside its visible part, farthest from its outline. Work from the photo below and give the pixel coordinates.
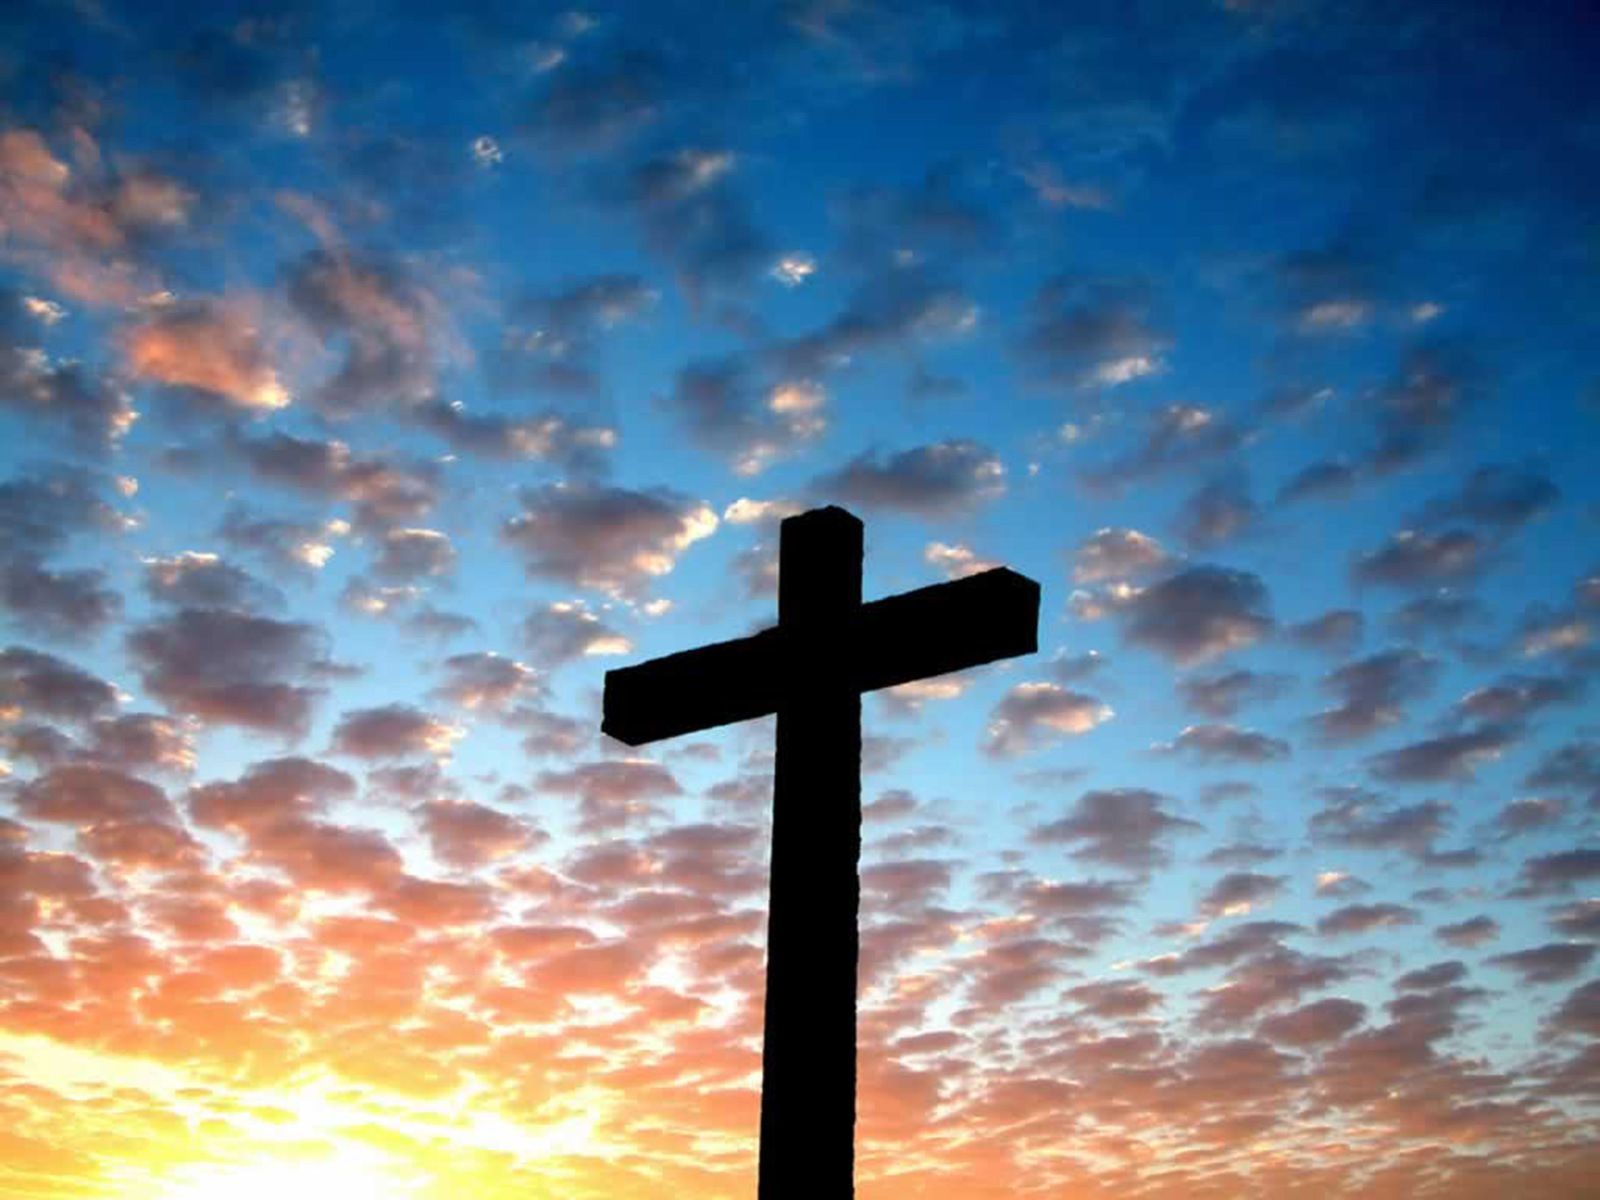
(94, 410)
(955, 560)
(748, 421)
(899, 308)
(1580, 919)
(1114, 999)
(1222, 695)
(406, 555)
(907, 699)
(1474, 931)
(42, 511)
(276, 808)
(1241, 854)
(1225, 743)
(1580, 1012)
(1056, 193)
(465, 834)
(1116, 554)
(193, 579)
(1029, 712)
(1218, 512)
(40, 746)
(382, 492)
(439, 625)
(1498, 496)
(291, 545)
(1316, 1023)
(141, 741)
(1049, 900)
(756, 566)
(1561, 632)
(1087, 334)
(612, 540)
(908, 884)
(1449, 756)
(1528, 813)
(1177, 437)
(1262, 974)
(1241, 892)
(1340, 884)
(208, 349)
(1008, 972)
(938, 479)
(1074, 668)
(566, 630)
(1326, 291)
(551, 340)
(614, 794)
(1371, 692)
(1121, 826)
(1414, 559)
(327, 856)
(268, 792)
(1419, 406)
(360, 595)
(230, 668)
(389, 324)
(793, 269)
(1513, 698)
(937, 219)
(1439, 975)
(692, 217)
(547, 437)
(1353, 817)
(548, 734)
(598, 104)
(1559, 871)
(393, 731)
(485, 682)
(1337, 631)
(1197, 614)
(35, 684)
(435, 904)
(1319, 480)
(1573, 766)
(39, 515)
(86, 226)
(1554, 962)
(86, 795)
(1363, 918)
(58, 604)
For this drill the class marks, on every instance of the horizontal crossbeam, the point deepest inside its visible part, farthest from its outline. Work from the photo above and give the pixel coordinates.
(916, 635)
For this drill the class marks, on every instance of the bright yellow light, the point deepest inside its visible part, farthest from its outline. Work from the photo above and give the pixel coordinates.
(347, 1175)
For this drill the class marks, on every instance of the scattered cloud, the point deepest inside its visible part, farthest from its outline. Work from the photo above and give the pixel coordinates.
(939, 479)
(1031, 712)
(612, 540)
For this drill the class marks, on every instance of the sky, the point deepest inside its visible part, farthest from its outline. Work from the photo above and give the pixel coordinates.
(375, 376)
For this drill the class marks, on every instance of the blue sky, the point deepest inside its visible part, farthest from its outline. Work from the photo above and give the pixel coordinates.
(374, 377)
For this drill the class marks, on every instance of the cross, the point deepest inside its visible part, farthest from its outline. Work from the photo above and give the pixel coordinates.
(811, 668)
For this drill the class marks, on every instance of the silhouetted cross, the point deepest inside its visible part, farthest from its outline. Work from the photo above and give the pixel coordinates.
(811, 669)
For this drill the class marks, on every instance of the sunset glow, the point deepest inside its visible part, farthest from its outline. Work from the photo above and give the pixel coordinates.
(375, 377)
(273, 1180)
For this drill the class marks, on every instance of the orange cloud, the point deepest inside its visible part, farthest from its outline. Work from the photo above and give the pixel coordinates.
(209, 347)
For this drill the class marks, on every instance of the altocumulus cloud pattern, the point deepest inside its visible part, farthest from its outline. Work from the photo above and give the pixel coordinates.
(374, 378)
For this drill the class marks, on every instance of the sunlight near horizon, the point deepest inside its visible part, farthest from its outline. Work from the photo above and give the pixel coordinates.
(348, 1174)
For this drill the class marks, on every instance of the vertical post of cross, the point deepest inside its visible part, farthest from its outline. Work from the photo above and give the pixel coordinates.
(808, 1086)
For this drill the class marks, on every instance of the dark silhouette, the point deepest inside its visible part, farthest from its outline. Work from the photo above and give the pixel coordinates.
(811, 669)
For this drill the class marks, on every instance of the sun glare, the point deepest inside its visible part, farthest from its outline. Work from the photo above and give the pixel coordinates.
(347, 1176)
